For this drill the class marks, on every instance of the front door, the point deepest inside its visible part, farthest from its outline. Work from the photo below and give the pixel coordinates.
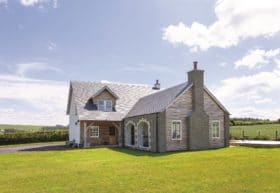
(112, 136)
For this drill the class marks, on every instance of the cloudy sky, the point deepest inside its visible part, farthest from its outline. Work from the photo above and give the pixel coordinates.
(46, 43)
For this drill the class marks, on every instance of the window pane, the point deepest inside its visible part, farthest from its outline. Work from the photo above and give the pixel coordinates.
(176, 130)
(101, 105)
(94, 131)
(215, 129)
(112, 130)
(108, 105)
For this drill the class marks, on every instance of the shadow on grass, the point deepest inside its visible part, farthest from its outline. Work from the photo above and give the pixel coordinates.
(48, 148)
(135, 152)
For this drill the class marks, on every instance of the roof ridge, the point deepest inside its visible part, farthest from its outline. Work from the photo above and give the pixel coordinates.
(109, 82)
(166, 89)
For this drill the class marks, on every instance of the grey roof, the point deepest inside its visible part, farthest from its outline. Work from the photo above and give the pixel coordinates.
(128, 95)
(158, 101)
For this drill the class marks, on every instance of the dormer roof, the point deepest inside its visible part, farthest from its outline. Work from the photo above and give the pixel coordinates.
(105, 88)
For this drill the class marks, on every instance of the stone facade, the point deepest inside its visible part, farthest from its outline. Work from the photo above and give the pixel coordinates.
(153, 135)
(215, 114)
(178, 110)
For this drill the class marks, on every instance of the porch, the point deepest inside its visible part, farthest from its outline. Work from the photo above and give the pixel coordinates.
(101, 133)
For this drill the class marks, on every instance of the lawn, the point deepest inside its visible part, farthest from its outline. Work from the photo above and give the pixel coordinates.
(267, 131)
(237, 169)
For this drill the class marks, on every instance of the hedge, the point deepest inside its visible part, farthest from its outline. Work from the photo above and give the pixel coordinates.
(30, 137)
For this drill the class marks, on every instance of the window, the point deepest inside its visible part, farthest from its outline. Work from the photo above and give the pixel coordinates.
(94, 131)
(105, 105)
(112, 131)
(176, 130)
(215, 128)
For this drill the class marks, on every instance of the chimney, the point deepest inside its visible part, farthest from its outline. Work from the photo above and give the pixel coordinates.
(195, 65)
(198, 121)
(196, 77)
(156, 85)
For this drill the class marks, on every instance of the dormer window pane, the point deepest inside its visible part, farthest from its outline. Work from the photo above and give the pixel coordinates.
(108, 105)
(101, 105)
(105, 105)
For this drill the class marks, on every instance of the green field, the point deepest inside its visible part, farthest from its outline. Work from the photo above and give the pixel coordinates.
(21, 127)
(231, 170)
(265, 131)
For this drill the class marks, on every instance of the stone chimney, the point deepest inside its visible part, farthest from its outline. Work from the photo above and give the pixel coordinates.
(196, 77)
(156, 85)
(198, 121)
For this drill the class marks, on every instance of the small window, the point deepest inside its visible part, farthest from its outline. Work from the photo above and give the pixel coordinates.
(105, 105)
(108, 105)
(94, 131)
(176, 130)
(215, 128)
(112, 131)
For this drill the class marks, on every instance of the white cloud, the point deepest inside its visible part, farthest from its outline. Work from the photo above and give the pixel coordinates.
(236, 20)
(253, 95)
(28, 3)
(45, 100)
(23, 68)
(3, 3)
(35, 101)
(258, 57)
(51, 45)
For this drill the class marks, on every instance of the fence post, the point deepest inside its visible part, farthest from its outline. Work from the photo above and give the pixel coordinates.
(259, 133)
(243, 134)
(276, 135)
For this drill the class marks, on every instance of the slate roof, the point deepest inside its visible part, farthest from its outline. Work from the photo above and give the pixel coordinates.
(128, 95)
(158, 101)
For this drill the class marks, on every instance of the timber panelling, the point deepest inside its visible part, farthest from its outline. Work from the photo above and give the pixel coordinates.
(104, 137)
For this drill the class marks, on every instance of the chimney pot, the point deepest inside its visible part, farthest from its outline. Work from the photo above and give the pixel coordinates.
(156, 85)
(195, 65)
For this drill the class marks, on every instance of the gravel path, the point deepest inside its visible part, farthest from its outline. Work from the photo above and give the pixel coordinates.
(35, 147)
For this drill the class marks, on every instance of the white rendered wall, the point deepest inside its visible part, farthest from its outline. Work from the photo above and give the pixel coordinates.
(74, 125)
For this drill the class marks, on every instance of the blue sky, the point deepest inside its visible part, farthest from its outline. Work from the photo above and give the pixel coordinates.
(46, 43)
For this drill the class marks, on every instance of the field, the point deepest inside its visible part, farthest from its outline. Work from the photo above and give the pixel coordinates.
(237, 169)
(253, 131)
(21, 127)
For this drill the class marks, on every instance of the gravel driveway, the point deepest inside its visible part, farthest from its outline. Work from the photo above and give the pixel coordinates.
(35, 147)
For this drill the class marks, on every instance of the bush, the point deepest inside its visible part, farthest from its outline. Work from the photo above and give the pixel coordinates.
(264, 137)
(29, 137)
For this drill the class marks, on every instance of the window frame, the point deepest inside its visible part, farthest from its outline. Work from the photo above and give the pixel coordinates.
(219, 129)
(180, 131)
(91, 131)
(105, 105)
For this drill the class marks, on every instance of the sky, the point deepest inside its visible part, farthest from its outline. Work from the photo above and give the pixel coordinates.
(46, 43)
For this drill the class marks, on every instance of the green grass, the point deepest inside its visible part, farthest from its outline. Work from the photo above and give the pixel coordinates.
(253, 131)
(231, 170)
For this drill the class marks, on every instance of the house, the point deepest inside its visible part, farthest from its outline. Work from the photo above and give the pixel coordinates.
(186, 116)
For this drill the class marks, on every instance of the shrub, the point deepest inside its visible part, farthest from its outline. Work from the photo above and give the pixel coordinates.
(29, 137)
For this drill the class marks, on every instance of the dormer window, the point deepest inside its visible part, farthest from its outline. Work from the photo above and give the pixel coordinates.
(105, 105)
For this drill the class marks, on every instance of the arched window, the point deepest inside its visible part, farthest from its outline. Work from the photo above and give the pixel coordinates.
(130, 134)
(144, 133)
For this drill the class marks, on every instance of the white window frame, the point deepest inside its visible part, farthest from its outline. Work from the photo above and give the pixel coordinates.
(91, 131)
(219, 129)
(176, 139)
(105, 105)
